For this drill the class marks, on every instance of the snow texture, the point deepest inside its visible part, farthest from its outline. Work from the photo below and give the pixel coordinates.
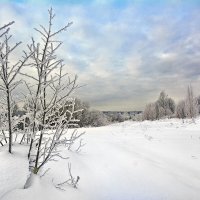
(157, 160)
(13, 169)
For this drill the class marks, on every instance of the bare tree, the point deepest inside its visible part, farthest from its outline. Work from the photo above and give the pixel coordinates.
(180, 110)
(191, 108)
(198, 103)
(5, 29)
(8, 72)
(45, 63)
(51, 111)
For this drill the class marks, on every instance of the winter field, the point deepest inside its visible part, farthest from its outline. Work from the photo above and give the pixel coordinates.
(157, 160)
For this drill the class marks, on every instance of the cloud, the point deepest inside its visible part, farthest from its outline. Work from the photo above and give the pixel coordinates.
(125, 53)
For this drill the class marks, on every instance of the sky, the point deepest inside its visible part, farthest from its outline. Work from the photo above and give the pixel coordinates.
(124, 52)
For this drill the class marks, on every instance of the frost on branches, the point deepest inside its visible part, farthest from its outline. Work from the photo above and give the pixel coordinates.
(49, 108)
(51, 111)
(8, 73)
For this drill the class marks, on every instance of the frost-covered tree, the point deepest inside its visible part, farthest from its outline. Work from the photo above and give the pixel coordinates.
(198, 103)
(180, 110)
(191, 107)
(97, 118)
(149, 112)
(165, 105)
(50, 109)
(9, 69)
(89, 117)
(84, 115)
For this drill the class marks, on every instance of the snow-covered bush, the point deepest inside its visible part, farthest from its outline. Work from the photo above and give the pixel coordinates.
(88, 117)
(149, 112)
(163, 107)
(137, 117)
(96, 118)
(191, 106)
(118, 116)
(180, 110)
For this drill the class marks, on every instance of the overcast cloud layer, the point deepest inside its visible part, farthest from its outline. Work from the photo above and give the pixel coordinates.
(125, 52)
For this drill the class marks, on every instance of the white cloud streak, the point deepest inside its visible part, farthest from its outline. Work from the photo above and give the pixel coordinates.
(125, 56)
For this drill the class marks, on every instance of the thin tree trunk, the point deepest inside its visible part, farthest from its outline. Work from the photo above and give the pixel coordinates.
(39, 145)
(38, 90)
(34, 116)
(4, 135)
(22, 139)
(9, 120)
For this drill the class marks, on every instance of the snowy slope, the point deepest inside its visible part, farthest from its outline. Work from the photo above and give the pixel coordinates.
(13, 169)
(131, 160)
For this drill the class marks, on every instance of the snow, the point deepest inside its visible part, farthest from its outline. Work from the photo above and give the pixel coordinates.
(157, 160)
(13, 169)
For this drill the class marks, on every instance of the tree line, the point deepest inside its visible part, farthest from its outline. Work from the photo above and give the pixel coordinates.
(165, 107)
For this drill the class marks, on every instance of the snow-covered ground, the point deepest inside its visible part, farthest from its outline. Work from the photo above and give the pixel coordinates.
(13, 169)
(128, 161)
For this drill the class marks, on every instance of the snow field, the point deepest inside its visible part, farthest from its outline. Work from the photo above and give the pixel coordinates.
(128, 161)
